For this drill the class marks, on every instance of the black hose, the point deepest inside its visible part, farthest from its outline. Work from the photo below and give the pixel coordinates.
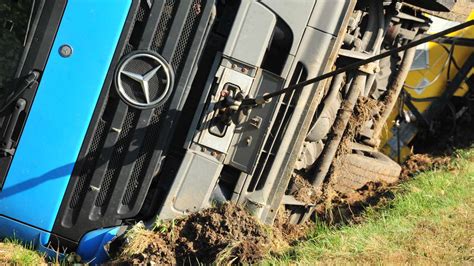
(330, 149)
(376, 46)
(392, 95)
(451, 53)
(368, 37)
(323, 124)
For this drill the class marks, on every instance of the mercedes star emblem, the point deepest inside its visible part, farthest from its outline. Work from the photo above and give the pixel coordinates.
(144, 80)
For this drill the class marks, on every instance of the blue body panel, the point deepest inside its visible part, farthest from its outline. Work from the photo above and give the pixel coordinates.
(61, 113)
(92, 247)
(29, 235)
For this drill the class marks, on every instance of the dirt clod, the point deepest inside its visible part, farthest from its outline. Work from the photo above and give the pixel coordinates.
(304, 191)
(225, 234)
(291, 233)
(366, 111)
(422, 162)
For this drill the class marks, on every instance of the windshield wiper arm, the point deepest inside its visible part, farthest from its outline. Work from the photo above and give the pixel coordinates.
(7, 144)
(26, 83)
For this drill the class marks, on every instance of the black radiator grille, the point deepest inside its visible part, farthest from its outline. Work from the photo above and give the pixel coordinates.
(113, 174)
(184, 44)
(272, 144)
(89, 164)
(144, 158)
(120, 150)
(185, 41)
(100, 135)
(164, 26)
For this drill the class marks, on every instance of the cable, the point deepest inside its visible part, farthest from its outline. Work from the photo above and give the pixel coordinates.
(263, 99)
(397, 125)
(452, 58)
(422, 100)
(453, 112)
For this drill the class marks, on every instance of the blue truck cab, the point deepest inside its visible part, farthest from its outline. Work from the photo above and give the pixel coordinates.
(119, 111)
(68, 137)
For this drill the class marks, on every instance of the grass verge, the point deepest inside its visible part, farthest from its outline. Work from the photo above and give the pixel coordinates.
(431, 220)
(13, 253)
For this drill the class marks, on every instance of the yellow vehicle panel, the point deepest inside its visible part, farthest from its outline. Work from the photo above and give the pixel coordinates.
(427, 83)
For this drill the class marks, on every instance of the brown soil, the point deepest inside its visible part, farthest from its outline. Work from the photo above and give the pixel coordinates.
(422, 162)
(225, 234)
(336, 206)
(366, 110)
(460, 12)
(304, 191)
(365, 113)
(291, 233)
(228, 234)
(341, 208)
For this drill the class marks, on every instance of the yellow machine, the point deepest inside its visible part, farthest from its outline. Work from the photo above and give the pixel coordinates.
(427, 84)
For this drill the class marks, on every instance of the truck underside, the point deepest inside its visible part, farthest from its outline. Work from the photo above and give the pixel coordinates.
(162, 137)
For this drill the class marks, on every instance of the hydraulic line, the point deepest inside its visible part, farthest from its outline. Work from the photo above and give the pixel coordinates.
(377, 43)
(368, 38)
(328, 115)
(325, 160)
(369, 43)
(393, 94)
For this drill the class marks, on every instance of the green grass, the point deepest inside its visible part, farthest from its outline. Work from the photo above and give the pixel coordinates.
(13, 252)
(431, 220)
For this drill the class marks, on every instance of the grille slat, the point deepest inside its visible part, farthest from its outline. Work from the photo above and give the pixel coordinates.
(84, 178)
(164, 26)
(271, 146)
(144, 157)
(184, 43)
(120, 150)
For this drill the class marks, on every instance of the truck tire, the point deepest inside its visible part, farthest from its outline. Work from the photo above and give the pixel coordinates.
(358, 170)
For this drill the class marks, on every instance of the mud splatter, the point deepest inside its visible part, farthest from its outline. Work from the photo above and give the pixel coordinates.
(423, 162)
(366, 111)
(222, 235)
(338, 205)
(304, 191)
(291, 233)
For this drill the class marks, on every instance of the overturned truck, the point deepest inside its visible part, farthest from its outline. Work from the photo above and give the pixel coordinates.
(114, 113)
